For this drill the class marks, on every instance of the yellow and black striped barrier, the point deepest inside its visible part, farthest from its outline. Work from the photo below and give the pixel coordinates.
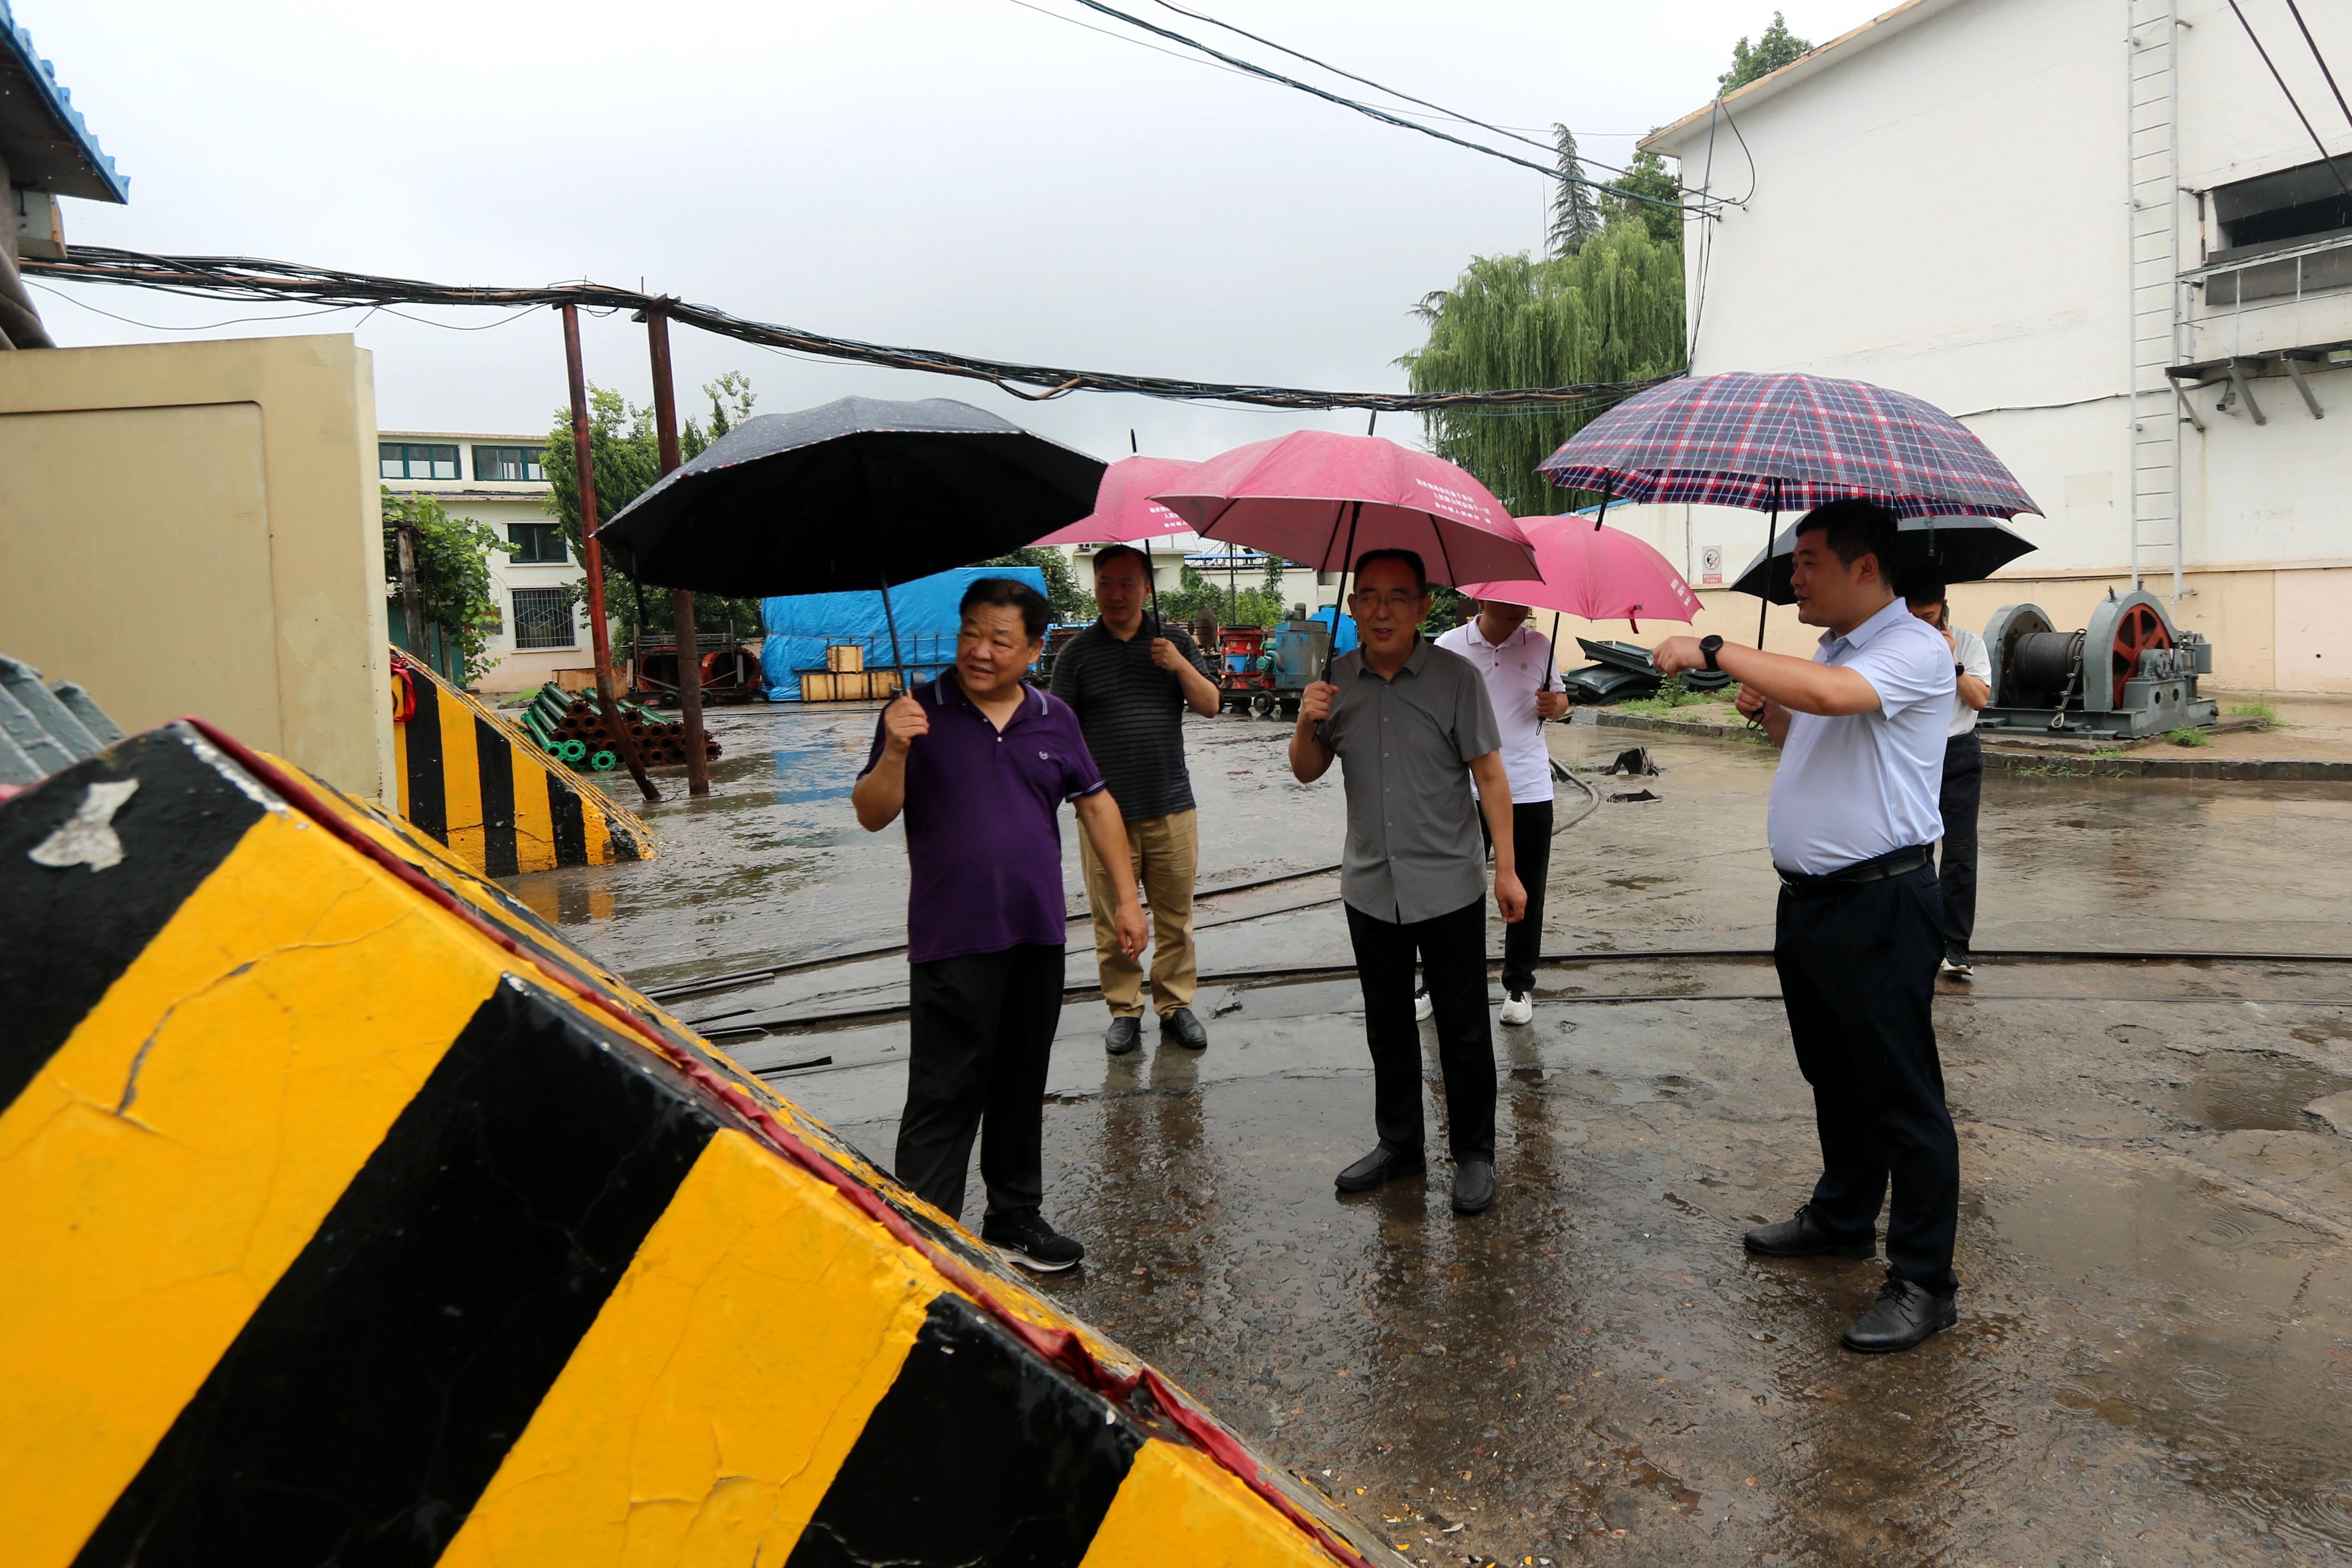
(350, 1216)
(477, 784)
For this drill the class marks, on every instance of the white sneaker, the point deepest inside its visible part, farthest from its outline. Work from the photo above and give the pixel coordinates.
(1423, 1009)
(1518, 1007)
(1959, 969)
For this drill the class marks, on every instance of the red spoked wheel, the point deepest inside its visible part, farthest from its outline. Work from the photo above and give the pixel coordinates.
(2140, 629)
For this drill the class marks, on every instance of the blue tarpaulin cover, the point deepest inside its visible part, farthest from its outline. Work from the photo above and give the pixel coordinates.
(1344, 638)
(800, 626)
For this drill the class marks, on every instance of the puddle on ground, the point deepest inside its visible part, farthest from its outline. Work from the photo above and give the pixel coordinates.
(2219, 1333)
(2246, 1091)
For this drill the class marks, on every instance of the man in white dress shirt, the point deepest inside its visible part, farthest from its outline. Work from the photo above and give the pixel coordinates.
(1515, 660)
(1963, 785)
(1853, 825)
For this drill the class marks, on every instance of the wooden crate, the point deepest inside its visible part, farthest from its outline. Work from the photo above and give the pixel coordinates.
(845, 658)
(860, 686)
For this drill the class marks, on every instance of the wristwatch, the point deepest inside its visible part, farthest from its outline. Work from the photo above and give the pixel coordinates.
(1709, 646)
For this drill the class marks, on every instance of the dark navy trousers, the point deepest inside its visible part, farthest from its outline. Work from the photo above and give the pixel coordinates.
(1857, 963)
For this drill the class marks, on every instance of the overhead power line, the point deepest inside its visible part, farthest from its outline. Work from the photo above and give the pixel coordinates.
(1377, 87)
(2296, 12)
(1382, 115)
(250, 278)
(2325, 157)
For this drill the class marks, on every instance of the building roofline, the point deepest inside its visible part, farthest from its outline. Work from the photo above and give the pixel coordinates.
(99, 179)
(1878, 29)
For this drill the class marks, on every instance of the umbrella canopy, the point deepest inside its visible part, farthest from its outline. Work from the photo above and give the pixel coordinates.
(1786, 442)
(1599, 573)
(1322, 500)
(1957, 548)
(1124, 509)
(858, 493)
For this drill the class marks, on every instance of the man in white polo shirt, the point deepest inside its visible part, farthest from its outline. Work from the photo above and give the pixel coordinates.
(1515, 660)
(1854, 823)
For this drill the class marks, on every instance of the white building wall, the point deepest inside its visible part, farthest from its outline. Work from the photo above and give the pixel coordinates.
(1939, 207)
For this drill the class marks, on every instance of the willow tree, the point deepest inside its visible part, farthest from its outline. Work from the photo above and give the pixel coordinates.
(1610, 311)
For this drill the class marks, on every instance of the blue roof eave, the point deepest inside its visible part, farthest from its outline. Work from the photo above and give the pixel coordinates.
(59, 101)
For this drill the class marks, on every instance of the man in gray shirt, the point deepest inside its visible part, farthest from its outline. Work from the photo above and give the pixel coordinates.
(1414, 726)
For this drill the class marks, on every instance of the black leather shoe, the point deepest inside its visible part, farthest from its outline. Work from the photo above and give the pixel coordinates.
(1123, 1036)
(1906, 1313)
(1184, 1030)
(1377, 1166)
(1474, 1186)
(1804, 1238)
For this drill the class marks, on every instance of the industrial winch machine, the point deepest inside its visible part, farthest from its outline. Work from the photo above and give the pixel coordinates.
(2130, 672)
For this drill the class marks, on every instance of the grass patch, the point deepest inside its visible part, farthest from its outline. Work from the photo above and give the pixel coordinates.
(1672, 694)
(2107, 752)
(2188, 735)
(2266, 716)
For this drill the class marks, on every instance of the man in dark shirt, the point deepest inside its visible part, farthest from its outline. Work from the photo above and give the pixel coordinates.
(980, 761)
(1130, 684)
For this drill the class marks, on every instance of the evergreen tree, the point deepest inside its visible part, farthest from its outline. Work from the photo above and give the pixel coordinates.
(1574, 217)
(1648, 176)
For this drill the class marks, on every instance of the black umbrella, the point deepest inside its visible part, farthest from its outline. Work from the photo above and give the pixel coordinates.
(858, 493)
(1954, 549)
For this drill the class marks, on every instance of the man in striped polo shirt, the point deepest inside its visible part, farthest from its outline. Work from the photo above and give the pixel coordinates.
(1129, 684)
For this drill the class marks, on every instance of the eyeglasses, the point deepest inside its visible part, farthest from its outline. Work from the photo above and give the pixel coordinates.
(1400, 603)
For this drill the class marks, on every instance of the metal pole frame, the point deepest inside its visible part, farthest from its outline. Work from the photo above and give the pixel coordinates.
(681, 600)
(592, 556)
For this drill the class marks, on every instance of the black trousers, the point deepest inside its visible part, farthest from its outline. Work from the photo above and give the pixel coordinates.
(1453, 953)
(1531, 858)
(979, 1031)
(1857, 963)
(1957, 874)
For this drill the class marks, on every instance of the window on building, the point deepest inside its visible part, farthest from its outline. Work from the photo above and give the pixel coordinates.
(416, 460)
(2294, 210)
(542, 619)
(2303, 204)
(537, 544)
(508, 463)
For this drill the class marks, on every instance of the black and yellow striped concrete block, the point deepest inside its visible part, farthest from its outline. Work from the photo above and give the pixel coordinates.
(477, 783)
(351, 1217)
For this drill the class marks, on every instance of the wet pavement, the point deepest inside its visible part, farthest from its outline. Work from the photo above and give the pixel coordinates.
(2154, 1359)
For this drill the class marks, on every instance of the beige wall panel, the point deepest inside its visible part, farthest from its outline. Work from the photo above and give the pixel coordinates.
(96, 592)
(2313, 655)
(315, 402)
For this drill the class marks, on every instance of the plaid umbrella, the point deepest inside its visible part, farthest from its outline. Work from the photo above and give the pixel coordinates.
(1786, 442)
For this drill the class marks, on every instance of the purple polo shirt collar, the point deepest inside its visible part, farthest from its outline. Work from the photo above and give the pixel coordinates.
(982, 821)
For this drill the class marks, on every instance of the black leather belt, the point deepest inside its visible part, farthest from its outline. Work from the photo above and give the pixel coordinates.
(1873, 870)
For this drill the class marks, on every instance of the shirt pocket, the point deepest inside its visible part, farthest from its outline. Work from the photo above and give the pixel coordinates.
(1047, 769)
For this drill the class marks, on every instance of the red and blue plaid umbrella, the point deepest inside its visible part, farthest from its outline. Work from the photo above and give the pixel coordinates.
(1786, 442)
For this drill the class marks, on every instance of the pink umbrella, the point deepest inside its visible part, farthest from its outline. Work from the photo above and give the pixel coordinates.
(1124, 509)
(1322, 498)
(1600, 573)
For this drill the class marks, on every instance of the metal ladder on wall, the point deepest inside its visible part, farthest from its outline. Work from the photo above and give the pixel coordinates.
(2159, 316)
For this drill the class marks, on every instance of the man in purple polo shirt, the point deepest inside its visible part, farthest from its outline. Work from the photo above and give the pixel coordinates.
(980, 761)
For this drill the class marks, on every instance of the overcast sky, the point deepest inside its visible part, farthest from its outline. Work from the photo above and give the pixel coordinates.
(970, 176)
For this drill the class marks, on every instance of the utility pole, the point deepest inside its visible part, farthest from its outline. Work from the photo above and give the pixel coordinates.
(681, 600)
(592, 556)
(412, 598)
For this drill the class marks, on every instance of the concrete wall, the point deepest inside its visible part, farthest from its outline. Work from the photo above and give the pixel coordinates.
(1939, 208)
(193, 528)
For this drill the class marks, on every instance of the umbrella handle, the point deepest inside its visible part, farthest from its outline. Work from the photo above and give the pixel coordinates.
(1771, 532)
(1601, 516)
(896, 664)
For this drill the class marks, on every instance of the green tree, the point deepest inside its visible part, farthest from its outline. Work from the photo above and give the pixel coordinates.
(1069, 600)
(1196, 590)
(1659, 214)
(1575, 216)
(453, 575)
(1775, 48)
(1612, 311)
(627, 452)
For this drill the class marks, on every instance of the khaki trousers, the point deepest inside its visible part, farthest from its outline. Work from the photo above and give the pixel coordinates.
(1165, 852)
